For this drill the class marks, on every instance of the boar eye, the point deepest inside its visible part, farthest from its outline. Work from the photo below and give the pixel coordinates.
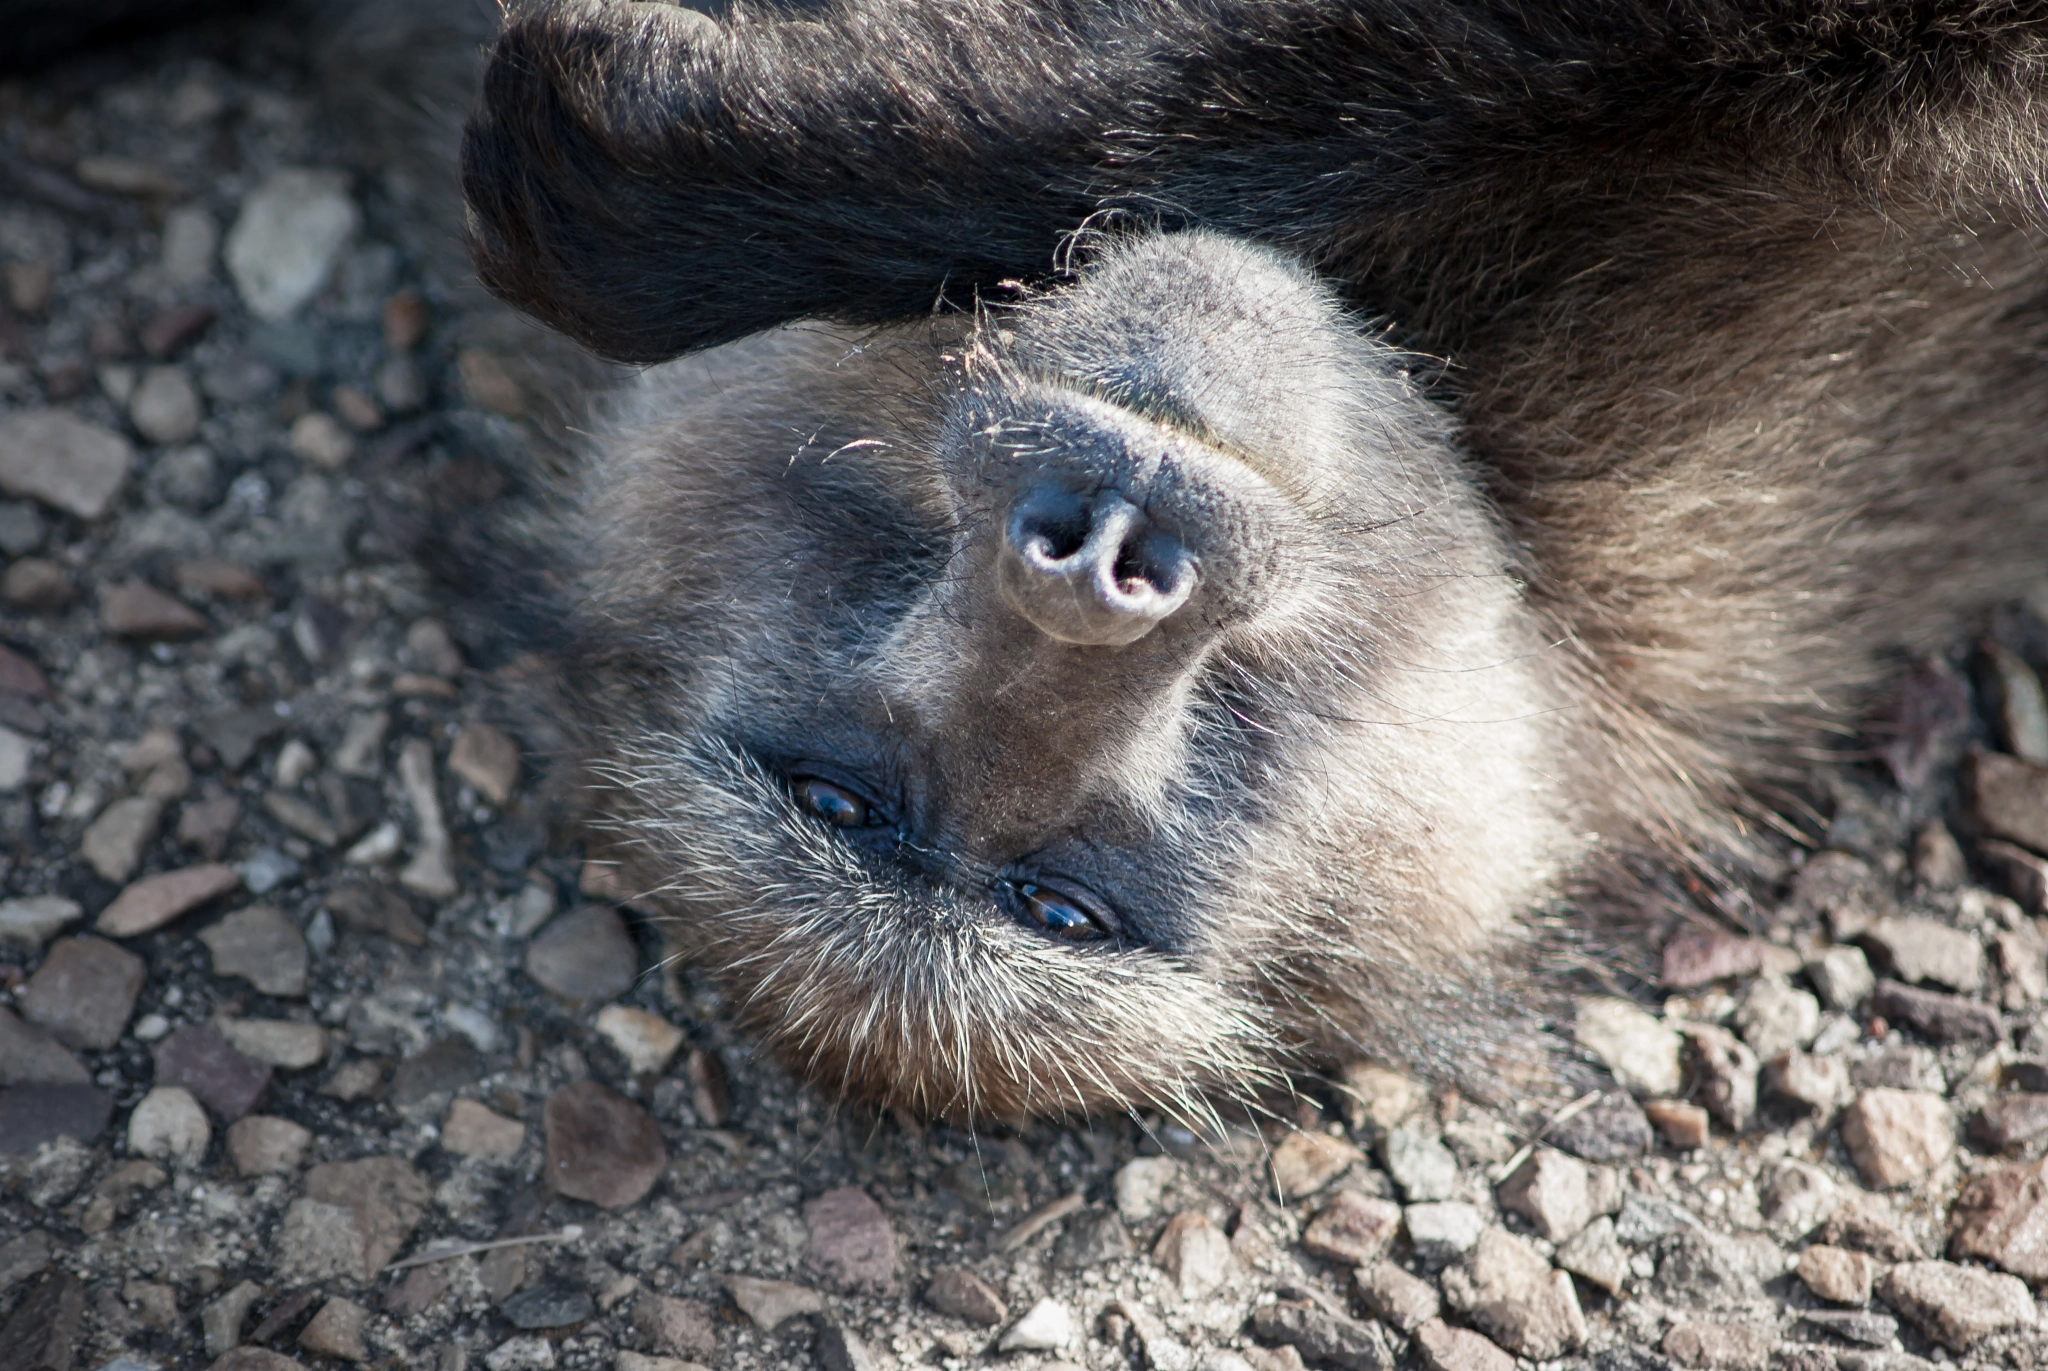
(1064, 916)
(835, 804)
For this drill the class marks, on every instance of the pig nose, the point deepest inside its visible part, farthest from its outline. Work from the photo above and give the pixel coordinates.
(1091, 569)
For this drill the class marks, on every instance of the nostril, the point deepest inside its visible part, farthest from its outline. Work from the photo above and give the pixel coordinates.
(1053, 536)
(1092, 571)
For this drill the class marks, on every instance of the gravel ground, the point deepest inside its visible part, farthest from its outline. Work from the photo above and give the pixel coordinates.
(319, 1043)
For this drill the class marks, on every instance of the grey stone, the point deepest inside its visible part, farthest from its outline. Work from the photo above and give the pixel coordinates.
(17, 755)
(1396, 1298)
(585, 954)
(1643, 1220)
(1897, 1136)
(444, 1065)
(772, 1303)
(1194, 1252)
(1642, 1053)
(261, 946)
(235, 734)
(165, 408)
(601, 1147)
(113, 843)
(287, 239)
(84, 992)
(547, 1305)
(200, 1060)
(33, 920)
(68, 464)
(1716, 1270)
(1513, 1296)
(221, 1321)
(1773, 1017)
(1550, 1190)
(851, 1245)
(1613, 1129)
(1854, 1325)
(1324, 1335)
(1914, 949)
(262, 1145)
(1095, 1237)
(1442, 1232)
(1352, 1228)
(1597, 1255)
(170, 1126)
(44, 1329)
(1718, 1346)
(2017, 703)
(1726, 1069)
(1139, 1185)
(29, 1056)
(1420, 1164)
(676, 1327)
(21, 528)
(1957, 1306)
(965, 1295)
(1938, 1018)
(32, 1115)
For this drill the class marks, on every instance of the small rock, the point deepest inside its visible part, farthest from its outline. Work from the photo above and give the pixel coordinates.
(2009, 1122)
(1773, 1017)
(209, 823)
(1513, 1295)
(1725, 1069)
(68, 464)
(1140, 1184)
(136, 609)
(84, 992)
(32, 1115)
(261, 946)
(235, 734)
(771, 1303)
(1864, 1224)
(1704, 1268)
(1597, 1255)
(1817, 1085)
(376, 909)
(319, 440)
(1195, 1254)
(2019, 872)
(191, 238)
(1643, 1221)
(474, 1131)
(1376, 1099)
(646, 1041)
(1700, 955)
(1897, 1136)
(165, 408)
(851, 1244)
(1837, 1274)
(1683, 1125)
(154, 901)
(263, 1145)
(488, 760)
(1938, 1018)
(680, 1328)
(548, 1305)
(2008, 796)
(526, 1353)
(287, 238)
(601, 1146)
(1442, 1232)
(1444, 1348)
(1352, 1228)
(169, 1125)
(488, 384)
(113, 844)
(1304, 1163)
(222, 1320)
(2002, 1218)
(1324, 1335)
(444, 1065)
(585, 954)
(1094, 1239)
(1613, 1129)
(1937, 858)
(29, 1056)
(17, 754)
(33, 920)
(201, 1061)
(353, 1220)
(1922, 950)
(275, 1042)
(1396, 1298)
(1420, 1164)
(36, 583)
(965, 1295)
(1718, 1347)
(337, 1331)
(1552, 1191)
(432, 649)
(1642, 1053)
(431, 872)
(1957, 1306)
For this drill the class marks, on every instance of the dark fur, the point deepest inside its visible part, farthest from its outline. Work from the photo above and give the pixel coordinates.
(1740, 312)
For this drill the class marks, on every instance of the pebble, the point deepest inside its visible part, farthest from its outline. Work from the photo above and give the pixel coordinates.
(1700, 955)
(1396, 1298)
(1511, 1294)
(474, 1131)
(33, 920)
(585, 954)
(601, 1146)
(1818, 1085)
(1304, 1163)
(2023, 875)
(2009, 1122)
(17, 755)
(361, 750)
(376, 909)
(261, 946)
(1612, 1129)
(2002, 1218)
(113, 843)
(1683, 1125)
(1703, 1268)
(444, 1065)
(319, 440)
(84, 992)
(267, 869)
(1837, 1274)
(1718, 1346)
(1864, 1223)
(1957, 1306)
(165, 408)
(547, 1305)
(287, 239)
(771, 1303)
(207, 824)
(647, 1041)
(1420, 1164)
(1915, 949)
(1444, 1348)
(1855, 1325)
(965, 1295)
(851, 1246)
(235, 734)
(1046, 1327)
(276, 1042)
(264, 1145)
(337, 1331)
(32, 1115)
(1897, 1136)
(1442, 1232)
(1324, 1335)
(1938, 860)
(154, 901)
(136, 609)
(45, 1327)
(526, 1353)
(29, 1056)
(191, 238)
(431, 872)
(1550, 1190)
(1140, 1184)
(1642, 1053)
(2022, 956)
(2008, 796)
(169, 1125)
(354, 1219)
(1093, 1239)
(1376, 1099)
(1195, 1254)
(488, 760)
(200, 1060)
(1774, 1017)
(1938, 1018)
(63, 461)
(1352, 1228)
(36, 583)
(678, 1327)
(1597, 1255)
